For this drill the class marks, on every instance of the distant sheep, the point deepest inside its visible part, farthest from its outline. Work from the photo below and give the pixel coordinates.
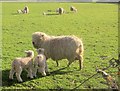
(22, 63)
(60, 10)
(73, 9)
(26, 10)
(40, 63)
(60, 47)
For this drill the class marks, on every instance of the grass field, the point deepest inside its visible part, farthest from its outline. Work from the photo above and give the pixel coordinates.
(96, 24)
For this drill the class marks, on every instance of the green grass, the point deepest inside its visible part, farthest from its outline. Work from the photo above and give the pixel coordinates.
(96, 24)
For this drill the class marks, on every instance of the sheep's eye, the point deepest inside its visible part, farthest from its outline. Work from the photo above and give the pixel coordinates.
(33, 43)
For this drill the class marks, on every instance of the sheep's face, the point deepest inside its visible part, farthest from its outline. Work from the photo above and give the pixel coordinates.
(29, 53)
(37, 39)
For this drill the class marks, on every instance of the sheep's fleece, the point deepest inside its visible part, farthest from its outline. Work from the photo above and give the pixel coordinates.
(60, 47)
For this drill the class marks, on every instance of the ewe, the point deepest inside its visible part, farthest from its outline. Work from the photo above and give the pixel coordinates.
(23, 62)
(60, 47)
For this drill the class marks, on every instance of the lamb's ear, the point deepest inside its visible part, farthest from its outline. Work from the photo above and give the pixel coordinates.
(26, 51)
(42, 37)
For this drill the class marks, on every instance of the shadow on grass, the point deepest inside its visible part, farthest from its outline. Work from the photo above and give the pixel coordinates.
(15, 14)
(60, 72)
(52, 14)
(7, 82)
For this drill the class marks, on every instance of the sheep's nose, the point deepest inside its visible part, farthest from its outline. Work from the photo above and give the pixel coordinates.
(33, 43)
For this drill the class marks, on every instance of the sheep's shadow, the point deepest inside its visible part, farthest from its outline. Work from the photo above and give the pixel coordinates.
(14, 13)
(51, 14)
(60, 72)
(7, 82)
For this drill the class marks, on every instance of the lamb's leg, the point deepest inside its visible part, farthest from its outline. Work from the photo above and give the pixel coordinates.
(30, 73)
(35, 72)
(12, 71)
(46, 67)
(18, 73)
(42, 71)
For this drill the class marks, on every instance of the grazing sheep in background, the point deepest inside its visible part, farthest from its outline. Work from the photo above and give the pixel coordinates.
(19, 63)
(40, 63)
(26, 10)
(60, 10)
(60, 47)
(73, 9)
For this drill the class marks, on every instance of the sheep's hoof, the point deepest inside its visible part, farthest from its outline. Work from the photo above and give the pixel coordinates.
(34, 76)
(20, 81)
(48, 73)
(79, 69)
(10, 80)
(30, 78)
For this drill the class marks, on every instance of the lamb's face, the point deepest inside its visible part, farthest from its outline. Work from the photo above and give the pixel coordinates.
(37, 39)
(29, 53)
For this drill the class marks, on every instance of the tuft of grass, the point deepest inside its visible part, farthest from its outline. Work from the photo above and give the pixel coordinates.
(96, 24)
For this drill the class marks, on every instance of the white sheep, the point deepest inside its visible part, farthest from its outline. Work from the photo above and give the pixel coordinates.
(40, 63)
(26, 10)
(60, 10)
(22, 63)
(60, 47)
(72, 8)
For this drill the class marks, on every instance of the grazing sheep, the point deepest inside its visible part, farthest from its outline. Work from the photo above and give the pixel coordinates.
(40, 63)
(60, 47)
(19, 63)
(73, 9)
(60, 10)
(26, 10)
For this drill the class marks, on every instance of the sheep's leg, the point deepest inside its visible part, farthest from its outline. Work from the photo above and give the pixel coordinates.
(46, 67)
(30, 73)
(42, 71)
(57, 63)
(80, 58)
(18, 73)
(69, 63)
(12, 71)
(35, 72)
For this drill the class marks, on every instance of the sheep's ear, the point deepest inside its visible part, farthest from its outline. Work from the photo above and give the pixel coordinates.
(26, 51)
(42, 37)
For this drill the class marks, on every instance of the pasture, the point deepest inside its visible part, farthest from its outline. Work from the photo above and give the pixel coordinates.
(96, 24)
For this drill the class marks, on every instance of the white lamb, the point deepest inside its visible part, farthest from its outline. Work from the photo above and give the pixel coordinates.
(40, 63)
(23, 62)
